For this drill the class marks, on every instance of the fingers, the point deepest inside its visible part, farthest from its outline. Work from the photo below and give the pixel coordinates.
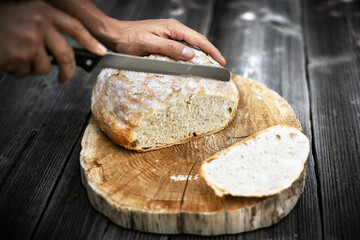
(62, 51)
(72, 27)
(206, 46)
(169, 47)
(41, 64)
(30, 29)
(178, 31)
(59, 47)
(18, 69)
(63, 54)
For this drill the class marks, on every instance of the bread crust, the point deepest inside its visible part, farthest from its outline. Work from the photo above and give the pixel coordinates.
(221, 192)
(122, 100)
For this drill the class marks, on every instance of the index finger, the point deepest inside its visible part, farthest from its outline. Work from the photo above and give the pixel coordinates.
(182, 32)
(74, 28)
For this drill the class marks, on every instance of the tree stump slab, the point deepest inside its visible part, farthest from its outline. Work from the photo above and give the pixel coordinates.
(162, 192)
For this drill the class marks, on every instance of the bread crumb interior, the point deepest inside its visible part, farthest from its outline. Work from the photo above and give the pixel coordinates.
(189, 116)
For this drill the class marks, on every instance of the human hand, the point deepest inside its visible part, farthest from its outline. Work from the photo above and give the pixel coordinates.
(28, 30)
(155, 36)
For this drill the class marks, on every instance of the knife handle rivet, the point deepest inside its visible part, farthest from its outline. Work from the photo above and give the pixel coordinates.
(88, 62)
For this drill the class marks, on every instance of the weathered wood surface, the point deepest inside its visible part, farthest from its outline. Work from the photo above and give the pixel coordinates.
(161, 191)
(41, 123)
(263, 40)
(333, 49)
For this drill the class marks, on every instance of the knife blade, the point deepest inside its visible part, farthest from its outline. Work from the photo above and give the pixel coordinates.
(88, 61)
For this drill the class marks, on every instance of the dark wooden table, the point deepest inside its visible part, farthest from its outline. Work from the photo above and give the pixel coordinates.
(308, 51)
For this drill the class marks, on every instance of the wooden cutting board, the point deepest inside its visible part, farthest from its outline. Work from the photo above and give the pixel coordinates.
(161, 191)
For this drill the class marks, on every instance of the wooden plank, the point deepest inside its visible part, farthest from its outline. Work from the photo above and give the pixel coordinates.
(336, 108)
(58, 218)
(184, 11)
(122, 10)
(69, 213)
(200, 15)
(300, 219)
(33, 159)
(114, 233)
(57, 114)
(40, 124)
(24, 112)
(115, 230)
(332, 31)
(196, 14)
(17, 105)
(263, 40)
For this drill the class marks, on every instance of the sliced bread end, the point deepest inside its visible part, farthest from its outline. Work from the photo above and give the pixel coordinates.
(263, 164)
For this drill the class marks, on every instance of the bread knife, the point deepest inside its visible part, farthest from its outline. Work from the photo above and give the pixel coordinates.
(88, 61)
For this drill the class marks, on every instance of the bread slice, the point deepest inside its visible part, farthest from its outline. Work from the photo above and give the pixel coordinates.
(263, 164)
(143, 111)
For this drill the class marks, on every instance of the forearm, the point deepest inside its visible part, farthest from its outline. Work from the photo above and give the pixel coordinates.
(138, 37)
(84, 10)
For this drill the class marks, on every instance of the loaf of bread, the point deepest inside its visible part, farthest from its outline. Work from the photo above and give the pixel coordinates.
(264, 164)
(143, 111)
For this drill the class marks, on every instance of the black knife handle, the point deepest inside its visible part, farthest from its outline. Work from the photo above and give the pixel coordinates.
(84, 59)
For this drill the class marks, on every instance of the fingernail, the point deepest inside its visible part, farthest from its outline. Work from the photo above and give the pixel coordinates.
(101, 48)
(223, 60)
(187, 53)
(62, 81)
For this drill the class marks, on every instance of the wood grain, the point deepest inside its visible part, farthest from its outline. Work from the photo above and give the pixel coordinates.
(65, 215)
(35, 104)
(161, 191)
(268, 47)
(38, 142)
(39, 165)
(196, 14)
(332, 35)
(69, 213)
(40, 124)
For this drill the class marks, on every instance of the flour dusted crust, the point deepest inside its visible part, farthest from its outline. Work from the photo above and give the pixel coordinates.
(123, 100)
